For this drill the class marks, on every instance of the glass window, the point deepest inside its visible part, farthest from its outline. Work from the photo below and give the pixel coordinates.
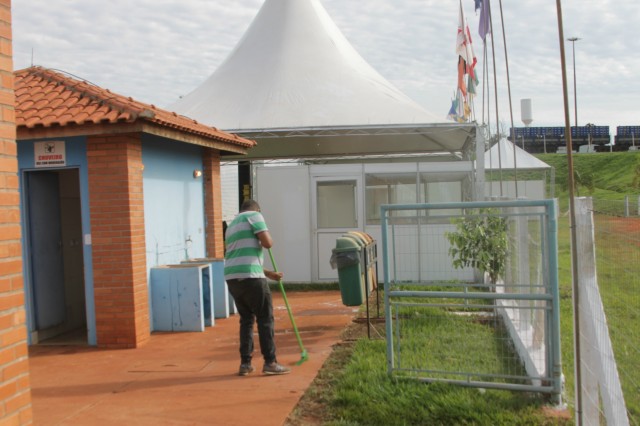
(389, 188)
(441, 188)
(336, 204)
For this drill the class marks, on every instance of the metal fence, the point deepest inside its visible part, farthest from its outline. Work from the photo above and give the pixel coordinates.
(609, 309)
(629, 207)
(452, 324)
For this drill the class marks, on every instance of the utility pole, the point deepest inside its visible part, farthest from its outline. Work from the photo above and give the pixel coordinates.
(575, 91)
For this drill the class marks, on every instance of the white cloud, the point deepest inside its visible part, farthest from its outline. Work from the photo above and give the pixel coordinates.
(158, 50)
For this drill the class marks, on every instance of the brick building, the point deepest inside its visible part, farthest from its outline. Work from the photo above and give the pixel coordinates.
(109, 188)
(15, 393)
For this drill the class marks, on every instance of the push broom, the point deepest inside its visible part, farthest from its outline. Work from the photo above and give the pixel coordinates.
(304, 356)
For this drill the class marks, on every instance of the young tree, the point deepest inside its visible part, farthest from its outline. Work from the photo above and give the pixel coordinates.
(480, 241)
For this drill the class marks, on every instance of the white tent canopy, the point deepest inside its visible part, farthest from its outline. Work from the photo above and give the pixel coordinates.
(534, 186)
(296, 85)
(501, 156)
(294, 68)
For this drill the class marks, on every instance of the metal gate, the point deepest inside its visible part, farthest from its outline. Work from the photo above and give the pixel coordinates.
(456, 324)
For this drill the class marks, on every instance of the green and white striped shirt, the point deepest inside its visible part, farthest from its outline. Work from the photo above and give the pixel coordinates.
(244, 257)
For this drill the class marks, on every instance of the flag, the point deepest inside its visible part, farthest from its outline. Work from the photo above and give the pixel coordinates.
(462, 86)
(457, 111)
(453, 111)
(484, 26)
(464, 47)
(467, 80)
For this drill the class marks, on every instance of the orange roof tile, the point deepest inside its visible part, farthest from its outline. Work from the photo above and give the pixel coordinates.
(46, 98)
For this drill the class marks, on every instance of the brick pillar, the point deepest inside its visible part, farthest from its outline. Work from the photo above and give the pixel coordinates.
(213, 203)
(117, 230)
(15, 390)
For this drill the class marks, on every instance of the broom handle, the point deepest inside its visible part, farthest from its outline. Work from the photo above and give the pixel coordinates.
(286, 302)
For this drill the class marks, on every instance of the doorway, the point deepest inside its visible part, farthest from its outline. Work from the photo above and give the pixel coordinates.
(55, 271)
(338, 209)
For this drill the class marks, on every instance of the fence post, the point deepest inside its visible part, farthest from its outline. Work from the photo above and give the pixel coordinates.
(589, 380)
(598, 363)
(626, 206)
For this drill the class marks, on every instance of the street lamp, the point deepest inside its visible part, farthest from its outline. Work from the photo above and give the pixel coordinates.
(544, 140)
(575, 92)
(589, 126)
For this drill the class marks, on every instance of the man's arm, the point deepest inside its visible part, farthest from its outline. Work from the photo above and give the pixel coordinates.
(267, 242)
(275, 276)
(265, 239)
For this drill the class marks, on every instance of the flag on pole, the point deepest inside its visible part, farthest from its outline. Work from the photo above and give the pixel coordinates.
(484, 26)
(462, 85)
(456, 112)
(464, 46)
(453, 111)
(466, 68)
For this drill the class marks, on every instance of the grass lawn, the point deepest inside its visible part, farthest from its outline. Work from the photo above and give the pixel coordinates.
(353, 387)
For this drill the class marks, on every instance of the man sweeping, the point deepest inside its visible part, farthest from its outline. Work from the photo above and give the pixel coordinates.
(246, 237)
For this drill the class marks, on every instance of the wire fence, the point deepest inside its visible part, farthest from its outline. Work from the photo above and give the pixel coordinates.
(629, 207)
(617, 254)
(426, 292)
(445, 323)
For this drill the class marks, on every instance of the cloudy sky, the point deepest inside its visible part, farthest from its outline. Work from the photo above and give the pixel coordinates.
(158, 50)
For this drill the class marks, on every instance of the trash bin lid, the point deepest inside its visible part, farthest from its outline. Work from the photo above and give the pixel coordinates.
(367, 239)
(346, 243)
(356, 236)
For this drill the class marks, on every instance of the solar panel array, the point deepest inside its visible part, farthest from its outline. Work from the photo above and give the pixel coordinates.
(552, 138)
(558, 132)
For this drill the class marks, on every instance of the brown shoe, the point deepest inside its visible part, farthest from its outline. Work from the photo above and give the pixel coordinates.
(275, 368)
(245, 369)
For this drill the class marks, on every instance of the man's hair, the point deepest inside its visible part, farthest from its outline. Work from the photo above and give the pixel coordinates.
(249, 205)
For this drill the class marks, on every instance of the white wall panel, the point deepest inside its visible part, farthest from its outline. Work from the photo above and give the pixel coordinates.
(283, 194)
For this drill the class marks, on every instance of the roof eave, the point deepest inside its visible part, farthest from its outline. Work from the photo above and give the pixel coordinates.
(237, 146)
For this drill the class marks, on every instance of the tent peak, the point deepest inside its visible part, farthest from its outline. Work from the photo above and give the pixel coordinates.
(294, 68)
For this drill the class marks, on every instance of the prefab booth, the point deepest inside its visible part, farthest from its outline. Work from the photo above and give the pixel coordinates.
(296, 85)
(311, 202)
(514, 173)
(110, 187)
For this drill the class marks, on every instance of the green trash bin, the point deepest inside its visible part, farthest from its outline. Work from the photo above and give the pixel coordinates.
(346, 258)
(368, 262)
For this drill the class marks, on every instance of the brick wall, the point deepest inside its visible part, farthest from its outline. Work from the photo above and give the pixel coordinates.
(15, 393)
(213, 203)
(117, 231)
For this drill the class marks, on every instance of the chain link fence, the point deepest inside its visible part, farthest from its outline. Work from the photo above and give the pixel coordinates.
(617, 266)
(629, 207)
(447, 323)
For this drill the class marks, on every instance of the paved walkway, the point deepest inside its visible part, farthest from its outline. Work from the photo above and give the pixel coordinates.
(187, 378)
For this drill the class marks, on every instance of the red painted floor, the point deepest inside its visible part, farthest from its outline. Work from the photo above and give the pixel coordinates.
(187, 378)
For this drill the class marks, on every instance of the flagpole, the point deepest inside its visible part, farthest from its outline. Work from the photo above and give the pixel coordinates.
(513, 132)
(483, 30)
(574, 244)
(575, 91)
(495, 88)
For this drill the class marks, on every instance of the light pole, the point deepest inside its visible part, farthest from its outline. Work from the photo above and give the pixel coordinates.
(589, 126)
(544, 140)
(575, 92)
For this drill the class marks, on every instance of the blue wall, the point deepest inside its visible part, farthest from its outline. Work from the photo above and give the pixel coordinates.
(76, 157)
(173, 204)
(173, 201)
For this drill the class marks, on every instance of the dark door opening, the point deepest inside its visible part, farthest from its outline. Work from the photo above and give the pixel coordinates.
(54, 231)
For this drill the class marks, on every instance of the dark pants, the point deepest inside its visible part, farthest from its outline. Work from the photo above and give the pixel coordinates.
(253, 300)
